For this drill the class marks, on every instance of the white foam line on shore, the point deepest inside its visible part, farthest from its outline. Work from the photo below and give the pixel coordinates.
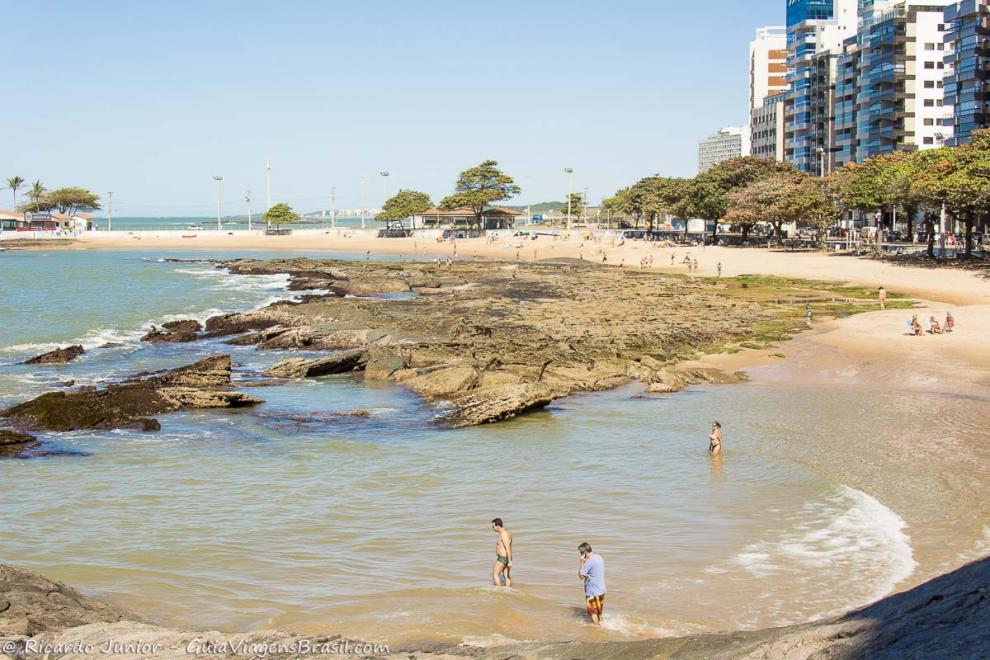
(851, 530)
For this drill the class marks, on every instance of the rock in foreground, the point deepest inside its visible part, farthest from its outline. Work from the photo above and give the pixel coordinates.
(204, 384)
(31, 604)
(58, 356)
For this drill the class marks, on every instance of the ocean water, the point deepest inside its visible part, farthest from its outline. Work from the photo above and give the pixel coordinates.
(149, 223)
(296, 515)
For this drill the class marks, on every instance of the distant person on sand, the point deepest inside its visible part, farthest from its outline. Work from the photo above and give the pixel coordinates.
(916, 326)
(719, 269)
(694, 266)
(933, 326)
(503, 555)
(950, 322)
(807, 314)
(592, 570)
(715, 439)
(883, 298)
(672, 256)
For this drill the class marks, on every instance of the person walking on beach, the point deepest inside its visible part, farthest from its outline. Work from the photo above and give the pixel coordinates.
(715, 440)
(501, 571)
(807, 314)
(883, 298)
(950, 322)
(719, 269)
(591, 569)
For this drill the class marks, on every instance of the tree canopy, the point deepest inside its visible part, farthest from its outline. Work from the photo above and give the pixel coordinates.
(404, 204)
(280, 214)
(575, 207)
(68, 201)
(783, 199)
(480, 186)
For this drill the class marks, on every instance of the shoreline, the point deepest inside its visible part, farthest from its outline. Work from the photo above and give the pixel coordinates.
(954, 286)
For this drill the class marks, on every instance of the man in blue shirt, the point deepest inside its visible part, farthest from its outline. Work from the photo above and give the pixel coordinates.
(592, 571)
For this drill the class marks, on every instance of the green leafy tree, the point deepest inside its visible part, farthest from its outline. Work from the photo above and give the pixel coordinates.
(783, 199)
(480, 186)
(404, 204)
(14, 183)
(576, 205)
(68, 201)
(280, 214)
(617, 205)
(959, 179)
(926, 191)
(708, 197)
(656, 196)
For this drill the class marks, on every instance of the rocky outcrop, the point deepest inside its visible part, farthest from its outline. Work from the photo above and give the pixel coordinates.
(174, 332)
(132, 404)
(31, 604)
(338, 363)
(947, 617)
(12, 443)
(58, 356)
(495, 342)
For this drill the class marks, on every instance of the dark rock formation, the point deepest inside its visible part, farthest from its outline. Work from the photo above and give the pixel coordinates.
(58, 356)
(12, 443)
(174, 332)
(235, 324)
(31, 604)
(338, 363)
(130, 404)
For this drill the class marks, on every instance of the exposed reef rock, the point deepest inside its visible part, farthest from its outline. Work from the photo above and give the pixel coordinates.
(490, 341)
(12, 443)
(174, 332)
(58, 356)
(131, 404)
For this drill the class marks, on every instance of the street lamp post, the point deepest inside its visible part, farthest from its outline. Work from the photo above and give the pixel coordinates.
(569, 170)
(364, 183)
(247, 198)
(268, 182)
(384, 174)
(219, 180)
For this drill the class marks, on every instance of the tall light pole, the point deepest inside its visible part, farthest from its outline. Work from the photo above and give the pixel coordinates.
(268, 182)
(364, 184)
(109, 211)
(247, 198)
(569, 170)
(384, 174)
(529, 198)
(219, 180)
(584, 207)
(333, 208)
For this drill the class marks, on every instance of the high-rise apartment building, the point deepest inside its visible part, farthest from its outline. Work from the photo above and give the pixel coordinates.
(767, 129)
(888, 92)
(729, 142)
(767, 78)
(967, 60)
(815, 32)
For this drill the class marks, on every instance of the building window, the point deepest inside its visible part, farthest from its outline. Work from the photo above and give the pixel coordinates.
(929, 84)
(929, 65)
(929, 46)
(929, 140)
(929, 103)
(929, 121)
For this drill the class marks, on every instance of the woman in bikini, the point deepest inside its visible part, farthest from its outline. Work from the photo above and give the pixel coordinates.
(715, 439)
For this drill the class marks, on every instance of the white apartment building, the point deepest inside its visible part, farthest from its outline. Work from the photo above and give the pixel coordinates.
(729, 142)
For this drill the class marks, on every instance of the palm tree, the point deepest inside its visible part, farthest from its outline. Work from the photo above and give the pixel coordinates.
(37, 192)
(14, 183)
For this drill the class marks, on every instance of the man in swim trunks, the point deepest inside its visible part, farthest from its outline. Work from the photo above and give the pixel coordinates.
(503, 555)
(592, 571)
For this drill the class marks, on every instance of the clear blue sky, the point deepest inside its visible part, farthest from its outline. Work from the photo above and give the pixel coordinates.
(151, 99)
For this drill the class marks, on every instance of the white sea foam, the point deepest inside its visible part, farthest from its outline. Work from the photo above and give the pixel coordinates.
(490, 641)
(849, 534)
(625, 625)
(981, 548)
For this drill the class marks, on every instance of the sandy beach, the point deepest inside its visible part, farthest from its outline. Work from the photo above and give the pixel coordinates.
(944, 285)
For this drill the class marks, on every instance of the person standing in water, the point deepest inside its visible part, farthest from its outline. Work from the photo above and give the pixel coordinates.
(503, 555)
(591, 569)
(715, 440)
